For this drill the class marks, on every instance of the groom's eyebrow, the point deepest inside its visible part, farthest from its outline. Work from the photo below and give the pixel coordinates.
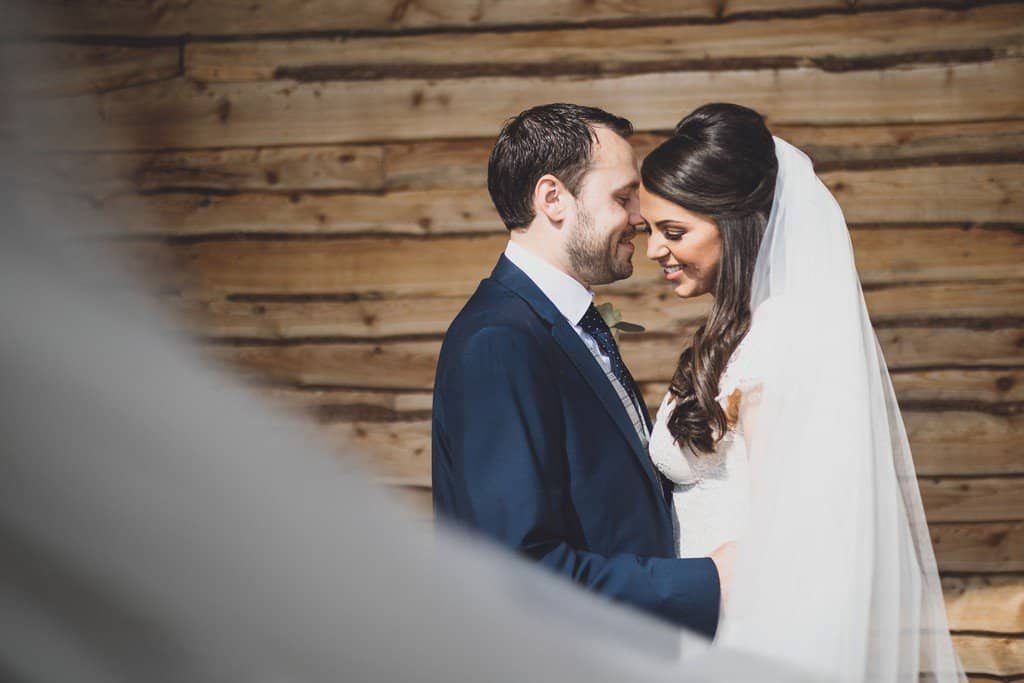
(633, 185)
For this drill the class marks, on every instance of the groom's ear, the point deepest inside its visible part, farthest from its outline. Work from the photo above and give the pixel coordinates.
(551, 198)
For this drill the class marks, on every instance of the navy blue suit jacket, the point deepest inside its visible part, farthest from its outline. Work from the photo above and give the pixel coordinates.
(532, 447)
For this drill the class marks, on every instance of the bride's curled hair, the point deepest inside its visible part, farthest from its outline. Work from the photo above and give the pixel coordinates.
(720, 162)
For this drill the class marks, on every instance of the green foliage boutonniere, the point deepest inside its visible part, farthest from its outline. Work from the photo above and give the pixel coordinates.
(613, 319)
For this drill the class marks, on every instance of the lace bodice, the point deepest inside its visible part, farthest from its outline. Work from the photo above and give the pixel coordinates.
(711, 494)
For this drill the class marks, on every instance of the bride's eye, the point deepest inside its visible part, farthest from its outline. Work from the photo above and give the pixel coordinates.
(674, 236)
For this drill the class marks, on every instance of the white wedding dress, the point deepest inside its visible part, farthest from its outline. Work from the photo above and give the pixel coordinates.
(711, 494)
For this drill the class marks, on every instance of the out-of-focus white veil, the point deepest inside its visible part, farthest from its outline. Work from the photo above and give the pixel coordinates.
(836, 571)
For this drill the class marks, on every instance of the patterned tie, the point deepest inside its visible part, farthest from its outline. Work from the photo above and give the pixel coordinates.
(594, 325)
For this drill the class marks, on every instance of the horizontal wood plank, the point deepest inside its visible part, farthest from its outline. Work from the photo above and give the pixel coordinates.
(998, 656)
(463, 163)
(983, 193)
(280, 320)
(336, 405)
(914, 255)
(832, 40)
(227, 18)
(973, 500)
(397, 365)
(406, 266)
(986, 386)
(979, 193)
(981, 547)
(839, 146)
(656, 309)
(903, 347)
(961, 442)
(410, 364)
(177, 114)
(413, 212)
(985, 603)
(61, 69)
(918, 347)
(287, 169)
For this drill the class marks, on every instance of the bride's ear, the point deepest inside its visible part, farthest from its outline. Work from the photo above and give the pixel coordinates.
(551, 199)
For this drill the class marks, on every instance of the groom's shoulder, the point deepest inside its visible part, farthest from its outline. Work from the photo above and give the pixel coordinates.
(494, 306)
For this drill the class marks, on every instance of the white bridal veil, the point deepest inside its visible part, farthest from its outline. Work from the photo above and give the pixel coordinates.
(836, 571)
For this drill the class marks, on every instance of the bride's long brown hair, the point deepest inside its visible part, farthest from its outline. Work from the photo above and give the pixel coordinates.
(720, 162)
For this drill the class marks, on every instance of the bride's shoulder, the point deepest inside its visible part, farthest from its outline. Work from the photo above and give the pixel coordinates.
(770, 325)
(772, 313)
(753, 359)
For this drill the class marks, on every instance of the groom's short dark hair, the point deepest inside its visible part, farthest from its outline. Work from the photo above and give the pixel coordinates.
(550, 138)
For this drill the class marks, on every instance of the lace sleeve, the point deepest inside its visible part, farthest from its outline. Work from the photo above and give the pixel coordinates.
(751, 362)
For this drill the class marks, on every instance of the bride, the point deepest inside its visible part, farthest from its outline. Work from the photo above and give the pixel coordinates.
(780, 429)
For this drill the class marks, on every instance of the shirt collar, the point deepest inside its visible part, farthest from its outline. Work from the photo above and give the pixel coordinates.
(568, 295)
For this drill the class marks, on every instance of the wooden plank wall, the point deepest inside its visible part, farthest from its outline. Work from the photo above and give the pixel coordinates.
(305, 181)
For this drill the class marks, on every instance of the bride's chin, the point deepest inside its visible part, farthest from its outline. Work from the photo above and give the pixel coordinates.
(684, 290)
(684, 293)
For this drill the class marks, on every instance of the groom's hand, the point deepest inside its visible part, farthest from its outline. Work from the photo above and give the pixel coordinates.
(724, 557)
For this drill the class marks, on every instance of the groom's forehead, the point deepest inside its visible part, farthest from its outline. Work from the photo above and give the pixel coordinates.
(610, 148)
(613, 158)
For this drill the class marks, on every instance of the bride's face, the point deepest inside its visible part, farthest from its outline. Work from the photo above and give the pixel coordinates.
(686, 245)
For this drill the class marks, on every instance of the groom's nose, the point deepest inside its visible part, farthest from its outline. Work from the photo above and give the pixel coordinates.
(633, 207)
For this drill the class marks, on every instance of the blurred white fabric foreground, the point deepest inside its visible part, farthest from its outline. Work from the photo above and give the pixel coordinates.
(158, 523)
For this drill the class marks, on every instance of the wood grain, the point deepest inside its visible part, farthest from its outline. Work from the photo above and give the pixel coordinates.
(990, 655)
(963, 385)
(281, 169)
(656, 309)
(180, 113)
(409, 266)
(410, 364)
(980, 193)
(985, 603)
(981, 547)
(62, 69)
(962, 442)
(973, 500)
(230, 17)
(984, 193)
(436, 164)
(413, 212)
(904, 348)
(830, 40)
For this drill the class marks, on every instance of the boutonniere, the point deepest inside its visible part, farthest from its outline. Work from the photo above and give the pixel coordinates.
(613, 319)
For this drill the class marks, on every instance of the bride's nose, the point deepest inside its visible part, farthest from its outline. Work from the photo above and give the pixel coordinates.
(656, 247)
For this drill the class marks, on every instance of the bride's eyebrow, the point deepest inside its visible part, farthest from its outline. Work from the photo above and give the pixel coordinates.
(668, 222)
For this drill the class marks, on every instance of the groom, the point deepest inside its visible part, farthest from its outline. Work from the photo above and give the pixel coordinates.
(539, 431)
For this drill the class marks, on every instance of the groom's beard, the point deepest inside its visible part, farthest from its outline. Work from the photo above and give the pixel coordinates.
(592, 256)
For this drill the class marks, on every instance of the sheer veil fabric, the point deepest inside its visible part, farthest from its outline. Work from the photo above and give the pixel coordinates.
(835, 571)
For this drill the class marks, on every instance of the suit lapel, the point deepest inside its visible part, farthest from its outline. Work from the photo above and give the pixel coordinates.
(516, 280)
